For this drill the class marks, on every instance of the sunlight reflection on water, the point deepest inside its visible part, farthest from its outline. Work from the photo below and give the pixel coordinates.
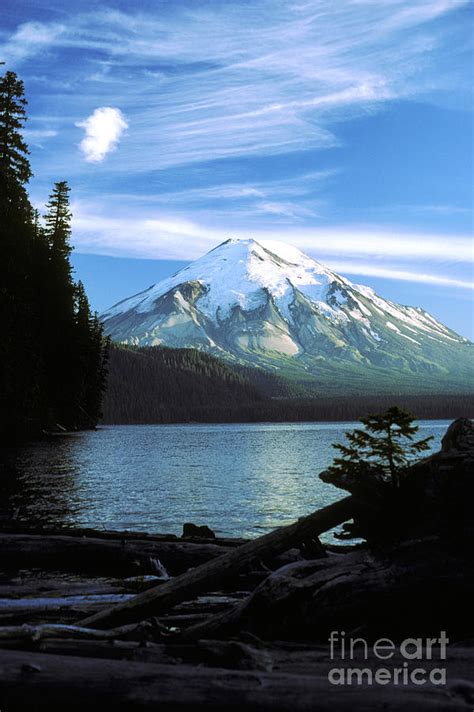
(239, 479)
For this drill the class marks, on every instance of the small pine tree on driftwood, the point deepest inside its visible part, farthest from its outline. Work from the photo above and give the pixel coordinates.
(383, 448)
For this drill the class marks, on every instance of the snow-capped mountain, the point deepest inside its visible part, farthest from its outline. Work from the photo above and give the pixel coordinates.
(269, 304)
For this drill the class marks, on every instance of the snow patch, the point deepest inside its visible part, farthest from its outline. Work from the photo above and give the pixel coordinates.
(397, 330)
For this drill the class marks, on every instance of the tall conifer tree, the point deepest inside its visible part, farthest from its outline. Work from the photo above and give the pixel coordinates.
(60, 294)
(52, 351)
(19, 354)
(15, 170)
(92, 351)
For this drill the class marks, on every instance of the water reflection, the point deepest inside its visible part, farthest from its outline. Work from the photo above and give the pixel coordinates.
(39, 482)
(239, 479)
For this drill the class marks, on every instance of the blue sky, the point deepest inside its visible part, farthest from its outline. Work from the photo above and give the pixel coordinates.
(344, 128)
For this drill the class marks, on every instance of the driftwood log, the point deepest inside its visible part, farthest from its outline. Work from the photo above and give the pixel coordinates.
(19, 527)
(53, 587)
(104, 556)
(43, 682)
(416, 589)
(212, 574)
(70, 606)
(234, 655)
(40, 632)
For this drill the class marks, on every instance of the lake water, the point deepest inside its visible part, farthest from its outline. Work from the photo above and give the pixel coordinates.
(239, 479)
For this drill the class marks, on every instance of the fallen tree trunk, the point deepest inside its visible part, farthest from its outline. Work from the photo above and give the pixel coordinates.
(111, 649)
(44, 682)
(51, 630)
(233, 655)
(104, 556)
(214, 573)
(7, 605)
(52, 587)
(415, 589)
(111, 534)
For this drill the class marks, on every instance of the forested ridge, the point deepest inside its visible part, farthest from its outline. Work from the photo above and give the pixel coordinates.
(164, 385)
(52, 350)
(150, 383)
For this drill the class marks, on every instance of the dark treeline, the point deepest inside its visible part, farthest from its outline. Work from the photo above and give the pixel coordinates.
(161, 385)
(144, 383)
(349, 408)
(52, 350)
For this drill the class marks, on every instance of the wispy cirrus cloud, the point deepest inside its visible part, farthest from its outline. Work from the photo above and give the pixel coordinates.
(37, 137)
(435, 209)
(28, 40)
(290, 197)
(231, 105)
(216, 80)
(103, 129)
(376, 270)
(372, 251)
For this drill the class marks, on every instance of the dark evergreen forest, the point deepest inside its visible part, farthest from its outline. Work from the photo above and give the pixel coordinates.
(162, 385)
(52, 350)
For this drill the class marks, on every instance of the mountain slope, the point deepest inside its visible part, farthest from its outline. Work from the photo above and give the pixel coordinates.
(270, 305)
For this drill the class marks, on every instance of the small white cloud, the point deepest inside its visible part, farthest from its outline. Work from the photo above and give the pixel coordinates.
(104, 128)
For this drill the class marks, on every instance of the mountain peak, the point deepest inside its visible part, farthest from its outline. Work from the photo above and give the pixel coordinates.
(234, 248)
(259, 301)
(275, 251)
(241, 247)
(236, 241)
(242, 272)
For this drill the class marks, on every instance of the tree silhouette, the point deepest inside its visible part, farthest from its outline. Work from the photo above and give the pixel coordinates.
(92, 353)
(15, 168)
(52, 351)
(62, 376)
(19, 353)
(58, 219)
(383, 449)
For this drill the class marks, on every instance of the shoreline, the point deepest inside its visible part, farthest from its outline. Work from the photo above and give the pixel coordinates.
(219, 650)
(184, 623)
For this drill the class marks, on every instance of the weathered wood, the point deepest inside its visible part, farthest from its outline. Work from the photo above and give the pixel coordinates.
(52, 587)
(233, 655)
(185, 620)
(15, 527)
(43, 682)
(104, 556)
(38, 616)
(68, 609)
(240, 617)
(133, 631)
(213, 573)
(50, 603)
(110, 649)
(417, 588)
